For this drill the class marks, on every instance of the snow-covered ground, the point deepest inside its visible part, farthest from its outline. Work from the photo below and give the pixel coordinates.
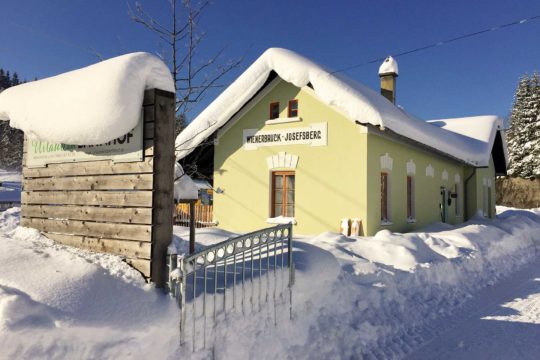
(58, 302)
(501, 321)
(471, 291)
(13, 176)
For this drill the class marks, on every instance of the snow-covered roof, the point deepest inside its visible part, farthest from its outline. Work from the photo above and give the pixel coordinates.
(184, 187)
(389, 66)
(202, 184)
(482, 129)
(356, 101)
(87, 106)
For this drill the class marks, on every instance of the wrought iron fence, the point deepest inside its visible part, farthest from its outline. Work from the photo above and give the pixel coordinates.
(242, 275)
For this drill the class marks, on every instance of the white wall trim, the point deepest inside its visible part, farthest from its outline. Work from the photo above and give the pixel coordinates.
(386, 162)
(430, 171)
(444, 175)
(282, 160)
(283, 120)
(411, 167)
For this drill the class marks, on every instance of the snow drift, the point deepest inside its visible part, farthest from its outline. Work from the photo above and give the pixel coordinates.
(354, 297)
(379, 297)
(59, 302)
(92, 105)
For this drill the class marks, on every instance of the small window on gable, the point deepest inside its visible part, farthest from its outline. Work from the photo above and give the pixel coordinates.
(274, 110)
(293, 108)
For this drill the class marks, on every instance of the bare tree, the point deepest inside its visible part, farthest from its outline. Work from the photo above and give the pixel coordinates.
(181, 37)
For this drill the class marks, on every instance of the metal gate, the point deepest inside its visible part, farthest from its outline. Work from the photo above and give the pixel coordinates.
(241, 275)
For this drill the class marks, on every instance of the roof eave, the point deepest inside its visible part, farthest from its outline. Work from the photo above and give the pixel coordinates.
(417, 144)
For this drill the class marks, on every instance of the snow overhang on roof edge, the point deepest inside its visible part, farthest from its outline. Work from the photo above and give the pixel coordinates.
(354, 100)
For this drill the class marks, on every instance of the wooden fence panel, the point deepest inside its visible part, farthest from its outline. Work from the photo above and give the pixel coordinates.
(103, 167)
(98, 198)
(90, 213)
(100, 182)
(120, 208)
(204, 215)
(128, 248)
(87, 228)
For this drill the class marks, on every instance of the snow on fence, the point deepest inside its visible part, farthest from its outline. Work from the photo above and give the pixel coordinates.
(123, 208)
(245, 275)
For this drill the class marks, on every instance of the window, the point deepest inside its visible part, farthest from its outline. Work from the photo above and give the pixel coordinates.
(487, 201)
(458, 199)
(274, 110)
(410, 198)
(283, 193)
(293, 108)
(487, 206)
(384, 197)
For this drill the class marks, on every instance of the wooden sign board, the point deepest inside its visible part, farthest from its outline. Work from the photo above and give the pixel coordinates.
(126, 148)
(123, 208)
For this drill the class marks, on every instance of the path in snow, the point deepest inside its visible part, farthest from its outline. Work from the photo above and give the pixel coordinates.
(500, 322)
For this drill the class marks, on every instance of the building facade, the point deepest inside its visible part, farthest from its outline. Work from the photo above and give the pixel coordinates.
(286, 155)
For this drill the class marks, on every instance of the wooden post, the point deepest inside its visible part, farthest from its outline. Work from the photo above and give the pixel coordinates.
(191, 227)
(163, 199)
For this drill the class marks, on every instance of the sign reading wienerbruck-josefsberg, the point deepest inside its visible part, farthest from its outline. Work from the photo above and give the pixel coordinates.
(314, 135)
(126, 148)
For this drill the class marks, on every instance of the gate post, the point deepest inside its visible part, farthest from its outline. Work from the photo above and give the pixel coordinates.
(290, 250)
(162, 199)
(291, 269)
(182, 300)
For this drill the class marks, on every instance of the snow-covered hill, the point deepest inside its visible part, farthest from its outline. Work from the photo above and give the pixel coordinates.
(6, 175)
(380, 297)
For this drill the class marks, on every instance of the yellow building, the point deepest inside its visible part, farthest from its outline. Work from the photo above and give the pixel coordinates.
(293, 142)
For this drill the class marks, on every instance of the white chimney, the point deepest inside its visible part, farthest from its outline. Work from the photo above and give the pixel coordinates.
(388, 72)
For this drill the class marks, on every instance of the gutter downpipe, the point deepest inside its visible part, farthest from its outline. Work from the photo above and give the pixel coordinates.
(465, 184)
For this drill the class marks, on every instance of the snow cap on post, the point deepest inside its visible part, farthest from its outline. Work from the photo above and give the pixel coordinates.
(389, 66)
(388, 72)
(89, 106)
(184, 187)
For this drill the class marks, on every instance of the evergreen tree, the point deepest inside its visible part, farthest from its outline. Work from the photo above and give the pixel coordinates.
(15, 79)
(524, 132)
(534, 148)
(11, 140)
(4, 80)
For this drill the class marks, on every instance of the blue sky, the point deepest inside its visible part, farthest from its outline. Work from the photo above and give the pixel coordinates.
(471, 77)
